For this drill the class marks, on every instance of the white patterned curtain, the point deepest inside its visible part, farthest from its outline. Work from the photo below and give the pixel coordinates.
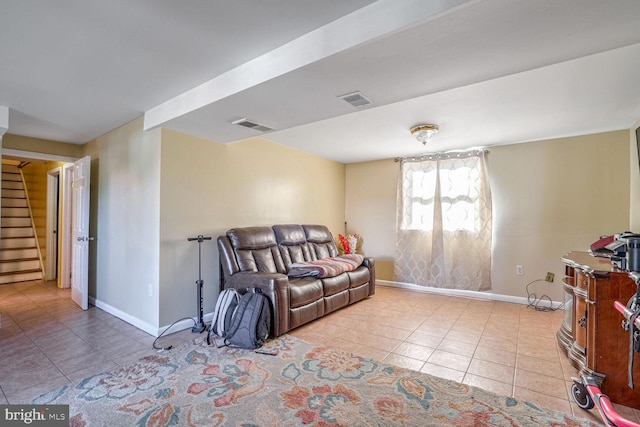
(444, 222)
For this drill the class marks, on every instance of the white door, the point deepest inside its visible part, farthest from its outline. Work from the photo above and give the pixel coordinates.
(80, 233)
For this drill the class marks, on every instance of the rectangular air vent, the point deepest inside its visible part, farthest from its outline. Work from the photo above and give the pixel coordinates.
(252, 125)
(356, 99)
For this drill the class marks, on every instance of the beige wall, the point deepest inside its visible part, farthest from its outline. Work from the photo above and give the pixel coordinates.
(207, 188)
(152, 190)
(371, 210)
(125, 217)
(549, 197)
(36, 145)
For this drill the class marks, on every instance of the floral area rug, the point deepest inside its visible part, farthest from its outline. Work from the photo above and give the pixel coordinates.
(303, 385)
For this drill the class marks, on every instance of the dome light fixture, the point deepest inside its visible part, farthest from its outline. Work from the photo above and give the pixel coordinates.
(424, 133)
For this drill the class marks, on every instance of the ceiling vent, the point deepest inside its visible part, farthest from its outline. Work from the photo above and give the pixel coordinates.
(252, 125)
(356, 99)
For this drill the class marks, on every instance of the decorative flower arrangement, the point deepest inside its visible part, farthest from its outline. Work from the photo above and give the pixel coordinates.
(348, 243)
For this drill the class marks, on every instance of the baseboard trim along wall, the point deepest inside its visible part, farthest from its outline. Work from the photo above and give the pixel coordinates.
(185, 323)
(461, 293)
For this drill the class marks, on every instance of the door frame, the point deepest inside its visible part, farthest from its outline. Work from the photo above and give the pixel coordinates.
(65, 243)
(37, 156)
(54, 196)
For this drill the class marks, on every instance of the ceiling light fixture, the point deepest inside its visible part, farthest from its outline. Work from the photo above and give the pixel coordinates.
(423, 133)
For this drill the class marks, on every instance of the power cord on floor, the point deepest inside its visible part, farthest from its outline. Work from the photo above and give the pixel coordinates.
(534, 301)
(159, 336)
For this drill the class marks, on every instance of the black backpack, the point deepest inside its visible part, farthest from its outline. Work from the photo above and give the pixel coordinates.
(251, 322)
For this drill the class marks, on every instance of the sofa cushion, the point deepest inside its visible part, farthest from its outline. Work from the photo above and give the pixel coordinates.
(320, 242)
(252, 237)
(333, 285)
(358, 277)
(289, 234)
(256, 249)
(292, 243)
(326, 267)
(304, 291)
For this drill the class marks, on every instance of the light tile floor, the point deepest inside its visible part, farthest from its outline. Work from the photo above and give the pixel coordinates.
(47, 341)
(506, 348)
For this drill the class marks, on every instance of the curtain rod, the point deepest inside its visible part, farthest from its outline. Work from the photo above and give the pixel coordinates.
(445, 154)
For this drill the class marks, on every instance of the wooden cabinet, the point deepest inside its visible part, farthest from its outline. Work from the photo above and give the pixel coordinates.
(591, 331)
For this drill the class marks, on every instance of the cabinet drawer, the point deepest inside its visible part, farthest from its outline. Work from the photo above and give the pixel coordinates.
(582, 280)
(580, 321)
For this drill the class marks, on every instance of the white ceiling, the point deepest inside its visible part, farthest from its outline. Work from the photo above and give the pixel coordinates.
(487, 72)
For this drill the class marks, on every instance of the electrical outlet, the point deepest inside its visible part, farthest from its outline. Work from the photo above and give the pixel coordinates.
(150, 290)
(520, 270)
(549, 277)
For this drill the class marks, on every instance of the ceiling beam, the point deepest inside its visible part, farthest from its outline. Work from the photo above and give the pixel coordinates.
(364, 25)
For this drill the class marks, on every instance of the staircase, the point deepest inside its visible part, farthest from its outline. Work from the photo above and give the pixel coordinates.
(19, 258)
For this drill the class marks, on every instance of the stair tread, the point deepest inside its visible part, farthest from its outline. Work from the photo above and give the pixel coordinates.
(18, 237)
(20, 259)
(8, 273)
(18, 249)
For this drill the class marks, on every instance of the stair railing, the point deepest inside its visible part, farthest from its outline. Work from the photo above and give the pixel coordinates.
(33, 227)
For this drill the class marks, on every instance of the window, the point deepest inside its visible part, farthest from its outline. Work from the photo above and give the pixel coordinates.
(443, 238)
(459, 198)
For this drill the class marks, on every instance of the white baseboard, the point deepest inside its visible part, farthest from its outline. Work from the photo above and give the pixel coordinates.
(138, 323)
(186, 323)
(462, 293)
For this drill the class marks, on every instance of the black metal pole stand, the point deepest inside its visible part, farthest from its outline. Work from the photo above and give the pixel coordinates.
(199, 327)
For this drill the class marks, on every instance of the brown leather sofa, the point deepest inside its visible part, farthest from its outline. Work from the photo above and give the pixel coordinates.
(262, 256)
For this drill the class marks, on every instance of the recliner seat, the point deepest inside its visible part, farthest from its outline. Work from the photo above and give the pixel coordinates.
(262, 257)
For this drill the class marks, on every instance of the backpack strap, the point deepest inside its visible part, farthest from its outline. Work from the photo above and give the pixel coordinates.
(237, 316)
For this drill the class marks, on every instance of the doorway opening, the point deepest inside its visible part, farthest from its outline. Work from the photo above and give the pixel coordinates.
(53, 220)
(53, 229)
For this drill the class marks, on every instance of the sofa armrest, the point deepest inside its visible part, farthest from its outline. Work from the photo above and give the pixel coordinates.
(370, 263)
(275, 286)
(228, 264)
